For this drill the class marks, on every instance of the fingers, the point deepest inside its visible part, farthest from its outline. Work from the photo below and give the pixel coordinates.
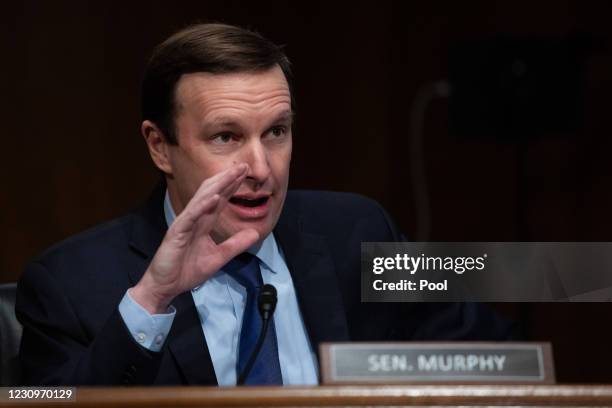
(219, 183)
(186, 220)
(223, 253)
(231, 188)
(223, 184)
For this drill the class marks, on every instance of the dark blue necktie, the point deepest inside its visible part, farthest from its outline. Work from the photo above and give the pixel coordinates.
(266, 369)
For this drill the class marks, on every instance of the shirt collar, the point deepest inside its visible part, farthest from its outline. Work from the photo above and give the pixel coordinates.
(266, 251)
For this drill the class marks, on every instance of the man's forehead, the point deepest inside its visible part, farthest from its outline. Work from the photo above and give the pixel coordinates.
(254, 85)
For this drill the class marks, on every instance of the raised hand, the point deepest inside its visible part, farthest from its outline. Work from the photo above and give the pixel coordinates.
(188, 255)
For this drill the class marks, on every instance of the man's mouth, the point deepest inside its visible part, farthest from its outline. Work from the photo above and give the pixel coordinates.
(250, 207)
(249, 202)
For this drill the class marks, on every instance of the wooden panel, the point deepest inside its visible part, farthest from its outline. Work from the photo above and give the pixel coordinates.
(587, 395)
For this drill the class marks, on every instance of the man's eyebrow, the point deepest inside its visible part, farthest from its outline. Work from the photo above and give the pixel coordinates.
(229, 121)
(222, 121)
(285, 116)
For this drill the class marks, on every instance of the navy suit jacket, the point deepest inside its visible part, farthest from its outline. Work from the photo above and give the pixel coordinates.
(68, 297)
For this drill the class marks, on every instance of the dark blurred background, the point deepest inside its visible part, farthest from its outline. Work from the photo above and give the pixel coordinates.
(468, 121)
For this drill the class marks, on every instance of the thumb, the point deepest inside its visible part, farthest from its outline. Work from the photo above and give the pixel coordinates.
(238, 243)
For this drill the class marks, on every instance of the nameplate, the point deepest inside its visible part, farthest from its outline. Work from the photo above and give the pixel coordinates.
(437, 363)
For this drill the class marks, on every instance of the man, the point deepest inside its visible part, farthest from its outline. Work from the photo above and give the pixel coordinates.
(161, 296)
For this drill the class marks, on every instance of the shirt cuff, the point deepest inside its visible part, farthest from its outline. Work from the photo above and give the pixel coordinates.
(150, 331)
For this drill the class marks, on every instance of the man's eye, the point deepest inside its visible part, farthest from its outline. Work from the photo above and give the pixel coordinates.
(278, 131)
(222, 138)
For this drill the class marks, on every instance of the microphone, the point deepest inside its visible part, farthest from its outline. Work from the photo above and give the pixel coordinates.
(266, 302)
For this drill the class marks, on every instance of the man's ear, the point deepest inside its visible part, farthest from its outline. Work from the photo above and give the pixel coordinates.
(158, 145)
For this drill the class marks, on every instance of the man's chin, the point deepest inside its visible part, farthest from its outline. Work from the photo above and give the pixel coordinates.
(263, 229)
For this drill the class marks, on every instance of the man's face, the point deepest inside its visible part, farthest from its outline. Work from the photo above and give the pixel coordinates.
(225, 119)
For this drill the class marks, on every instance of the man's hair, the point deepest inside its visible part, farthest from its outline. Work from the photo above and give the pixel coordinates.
(213, 48)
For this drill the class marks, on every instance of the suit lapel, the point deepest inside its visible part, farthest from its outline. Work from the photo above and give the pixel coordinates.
(148, 229)
(314, 277)
(185, 340)
(188, 345)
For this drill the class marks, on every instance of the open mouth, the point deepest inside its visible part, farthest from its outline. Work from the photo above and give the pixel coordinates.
(246, 202)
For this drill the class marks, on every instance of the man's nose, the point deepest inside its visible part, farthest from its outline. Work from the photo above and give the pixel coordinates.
(256, 156)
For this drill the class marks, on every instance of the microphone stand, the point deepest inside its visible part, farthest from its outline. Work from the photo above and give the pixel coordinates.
(267, 303)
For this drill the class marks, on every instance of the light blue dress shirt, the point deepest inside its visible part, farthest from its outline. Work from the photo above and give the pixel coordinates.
(220, 304)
